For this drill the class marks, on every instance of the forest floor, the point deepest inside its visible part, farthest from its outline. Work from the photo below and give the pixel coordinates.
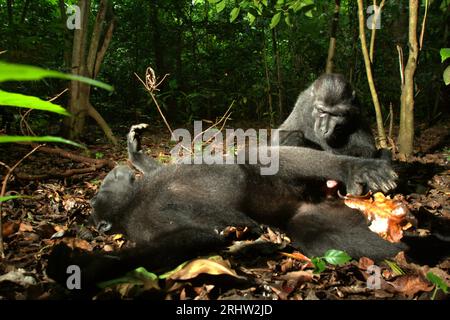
(58, 209)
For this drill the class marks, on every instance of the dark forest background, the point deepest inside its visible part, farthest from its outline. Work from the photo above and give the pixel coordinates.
(213, 61)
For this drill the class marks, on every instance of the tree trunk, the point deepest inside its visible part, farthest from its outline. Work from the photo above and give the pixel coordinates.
(77, 104)
(88, 64)
(279, 76)
(406, 133)
(332, 46)
(373, 91)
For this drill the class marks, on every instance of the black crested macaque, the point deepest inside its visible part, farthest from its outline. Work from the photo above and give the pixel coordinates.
(177, 212)
(327, 116)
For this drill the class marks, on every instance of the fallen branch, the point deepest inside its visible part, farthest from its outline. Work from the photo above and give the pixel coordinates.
(76, 157)
(57, 174)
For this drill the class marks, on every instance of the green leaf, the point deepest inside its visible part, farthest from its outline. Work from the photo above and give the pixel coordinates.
(287, 19)
(336, 257)
(437, 281)
(251, 18)
(234, 14)
(20, 72)
(220, 6)
(23, 101)
(144, 274)
(275, 20)
(395, 268)
(446, 75)
(319, 265)
(3, 199)
(9, 139)
(445, 54)
(171, 272)
(138, 276)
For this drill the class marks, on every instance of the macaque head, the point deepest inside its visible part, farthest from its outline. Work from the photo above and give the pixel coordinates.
(334, 107)
(115, 193)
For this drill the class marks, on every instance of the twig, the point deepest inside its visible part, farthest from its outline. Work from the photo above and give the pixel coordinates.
(23, 120)
(423, 25)
(391, 120)
(3, 190)
(401, 64)
(225, 117)
(151, 85)
(374, 29)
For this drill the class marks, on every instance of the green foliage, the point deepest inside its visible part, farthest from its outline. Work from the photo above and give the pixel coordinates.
(333, 257)
(275, 20)
(18, 72)
(3, 199)
(445, 54)
(9, 139)
(212, 62)
(99, 155)
(139, 276)
(438, 282)
(234, 14)
(30, 102)
(395, 268)
(446, 75)
(319, 265)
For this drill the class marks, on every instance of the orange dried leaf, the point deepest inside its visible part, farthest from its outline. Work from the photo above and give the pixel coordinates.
(203, 266)
(25, 227)
(297, 256)
(9, 228)
(387, 217)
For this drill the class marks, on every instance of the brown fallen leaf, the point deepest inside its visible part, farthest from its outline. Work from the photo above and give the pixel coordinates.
(77, 243)
(204, 266)
(365, 263)
(299, 276)
(409, 285)
(25, 227)
(9, 228)
(387, 217)
(234, 232)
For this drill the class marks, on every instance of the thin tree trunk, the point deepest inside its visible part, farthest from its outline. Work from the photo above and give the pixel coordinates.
(101, 53)
(66, 53)
(332, 46)
(77, 107)
(373, 90)
(9, 4)
(406, 132)
(279, 76)
(268, 87)
(93, 113)
(24, 11)
(374, 29)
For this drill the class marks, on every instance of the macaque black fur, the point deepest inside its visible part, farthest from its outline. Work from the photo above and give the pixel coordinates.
(177, 212)
(327, 116)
